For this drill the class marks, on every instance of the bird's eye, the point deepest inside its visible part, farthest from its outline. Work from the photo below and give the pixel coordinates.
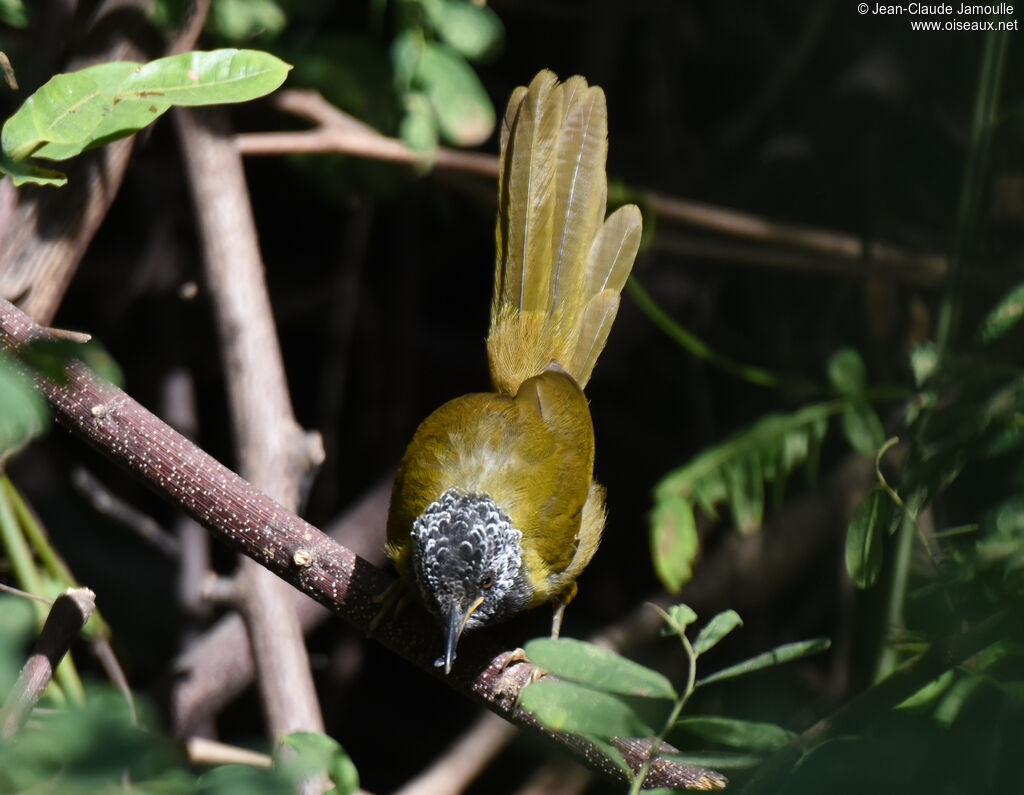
(487, 581)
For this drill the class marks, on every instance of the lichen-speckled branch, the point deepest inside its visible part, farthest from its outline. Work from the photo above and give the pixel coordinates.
(243, 517)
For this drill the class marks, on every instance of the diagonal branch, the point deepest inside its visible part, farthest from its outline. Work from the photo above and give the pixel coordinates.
(732, 236)
(249, 521)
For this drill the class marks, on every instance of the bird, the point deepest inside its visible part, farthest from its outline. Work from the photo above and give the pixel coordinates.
(494, 507)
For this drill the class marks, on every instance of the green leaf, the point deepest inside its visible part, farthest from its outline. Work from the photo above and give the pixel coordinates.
(924, 361)
(777, 656)
(599, 668)
(120, 118)
(959, 695)
(735, 469)
(471, 29)
(225, 779)
(610, 751)
(50, 357)
(569, 707)
(716, 629)
(674, 542)
(22, 409)
(17, 626)
(864, 538)
(929, 692)
(65, 109)
(240, 20)
(12, 12)
(846, 372)
(745, 484)
(205, 78)
(724, 760)
(1003, 316)
(465, 114)
(862, 427)
(406, 52)
(737, 733)
(418, 128)
(88, 749)
(316, 752)
(681, 616)
(73, 112)
(1005, 521)
(24, 172)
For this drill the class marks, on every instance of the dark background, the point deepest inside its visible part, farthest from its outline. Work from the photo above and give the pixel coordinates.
(380, 281)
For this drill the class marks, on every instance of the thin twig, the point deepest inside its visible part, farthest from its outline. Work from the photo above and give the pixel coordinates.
(104, 652)
(105, 502)
(340, 133)
(24, 594)
(202, 751)
(68, 615)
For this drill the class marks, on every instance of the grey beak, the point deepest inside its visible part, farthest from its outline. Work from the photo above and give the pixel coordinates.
(456, 621)
(457, 618)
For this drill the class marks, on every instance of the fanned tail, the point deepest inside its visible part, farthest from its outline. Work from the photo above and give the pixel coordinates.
(560, 265)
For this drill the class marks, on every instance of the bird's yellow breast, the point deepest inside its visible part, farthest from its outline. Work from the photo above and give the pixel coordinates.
(533, 454)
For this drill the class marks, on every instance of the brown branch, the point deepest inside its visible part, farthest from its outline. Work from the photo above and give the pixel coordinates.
(460, 764)
(338, 132)
(800, 247)
(218, 666)
(251, 522)
(273, 451)
(68, 615)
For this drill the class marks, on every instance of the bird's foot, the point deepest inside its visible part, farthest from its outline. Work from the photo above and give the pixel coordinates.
(512, 679)
(391, 600)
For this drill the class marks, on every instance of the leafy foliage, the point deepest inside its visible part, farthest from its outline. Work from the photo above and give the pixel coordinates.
(601, 695)
(598, 668)
(737, 470)
(12, 12)
(1003, 316)
(315, 753)
(732, 472)
(864, 538)
(22, 410)
(98, 747)
(93, 106)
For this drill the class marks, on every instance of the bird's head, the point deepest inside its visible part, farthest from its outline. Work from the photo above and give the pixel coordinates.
(467, 560)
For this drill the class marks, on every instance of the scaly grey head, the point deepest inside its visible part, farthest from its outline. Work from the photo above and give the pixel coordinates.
(467, 561)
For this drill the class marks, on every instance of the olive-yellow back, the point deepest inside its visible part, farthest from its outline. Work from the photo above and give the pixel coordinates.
(560, 265)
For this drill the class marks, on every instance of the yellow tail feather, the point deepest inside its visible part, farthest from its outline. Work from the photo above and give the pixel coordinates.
(560, 265)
